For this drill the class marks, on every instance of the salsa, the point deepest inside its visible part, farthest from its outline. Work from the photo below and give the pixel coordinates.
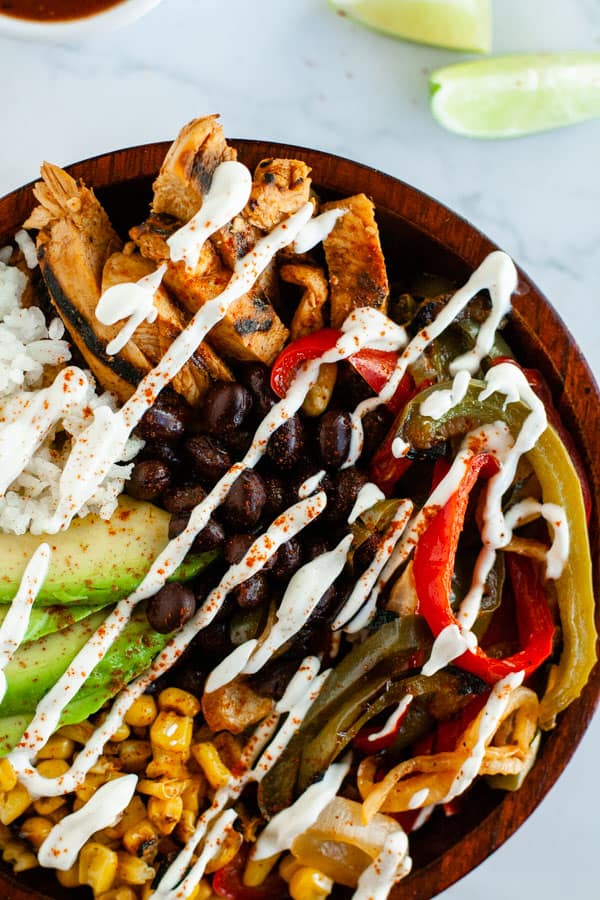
(54, 10)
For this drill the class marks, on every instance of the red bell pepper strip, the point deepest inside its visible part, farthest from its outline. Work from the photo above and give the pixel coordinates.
(375, 366)
(228, 882)
(538, 383)
(433, 567)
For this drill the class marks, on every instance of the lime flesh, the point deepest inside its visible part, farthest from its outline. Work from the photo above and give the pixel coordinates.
(510, 96)
(454, 24)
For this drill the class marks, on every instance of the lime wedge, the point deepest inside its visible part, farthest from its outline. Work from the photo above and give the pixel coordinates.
(455, 24)
(509, 96)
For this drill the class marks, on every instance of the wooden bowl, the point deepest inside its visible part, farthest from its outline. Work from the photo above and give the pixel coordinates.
(419, 235)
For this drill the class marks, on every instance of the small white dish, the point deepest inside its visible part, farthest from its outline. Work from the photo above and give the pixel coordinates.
(125, 12)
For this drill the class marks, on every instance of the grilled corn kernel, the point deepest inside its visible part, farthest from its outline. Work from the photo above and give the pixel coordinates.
(165, 814)
(120, 893)
(193, 792)
(45, 806)
(166, 763)
(69, 878)
(80, 733)
(134, 755)
(135, 811)
(228, 848)
(141, 840)
(318, 397)
(97, 867)
(142, 712)
(310, 884)
(164, 790)
(203, 891)
(8, 777)
(186, 826)
(288, 865)
(15, 803)
(207, 757)
(89, 786)
(173, 732)
(57, 747)
(53, 768)
(133, 870)
(35, 830)
(179, 701)
(257, 870)
(19, 856)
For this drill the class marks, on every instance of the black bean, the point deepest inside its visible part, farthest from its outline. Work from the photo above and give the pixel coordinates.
(276, 497)
(244, 503)
(287, 559)
(224, 407)
(171, 607)
(314, 548)
(286, 446)
(257, 377)
(149, 478)
(191, 679)
(334, 432)
(252, 592)
(210, 644)
(364, 553)
(237, 442)
(162, 450)
(183, 499)
(209, 459)
(342, 497)
(376, 425)
(165, 421)
(236, 547)
(211, 537)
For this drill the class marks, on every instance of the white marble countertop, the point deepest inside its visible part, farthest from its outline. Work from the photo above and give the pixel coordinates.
(296, 72)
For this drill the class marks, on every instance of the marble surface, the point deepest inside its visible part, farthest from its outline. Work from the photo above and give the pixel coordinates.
(296, 72)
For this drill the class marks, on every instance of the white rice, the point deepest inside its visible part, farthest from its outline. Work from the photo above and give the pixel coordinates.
(27, 248)
(27, 347)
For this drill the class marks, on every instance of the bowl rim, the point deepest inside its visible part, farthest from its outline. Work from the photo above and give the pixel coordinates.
(104, 20)
(440, 224)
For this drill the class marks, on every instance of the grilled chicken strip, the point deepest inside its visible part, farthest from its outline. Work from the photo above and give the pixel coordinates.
(280, 187)
(156, 337)
(75, 243)
(309, 312)
(357, 274)
(251, 330)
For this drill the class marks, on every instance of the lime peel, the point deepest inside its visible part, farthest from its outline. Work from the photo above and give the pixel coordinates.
(453, 24)
(511, 96)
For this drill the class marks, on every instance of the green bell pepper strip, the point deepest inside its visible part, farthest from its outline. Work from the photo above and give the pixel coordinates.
(560, 484)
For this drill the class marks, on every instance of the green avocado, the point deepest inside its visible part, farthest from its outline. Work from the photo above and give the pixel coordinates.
(45, 620)
(95, 562)
(37, 666)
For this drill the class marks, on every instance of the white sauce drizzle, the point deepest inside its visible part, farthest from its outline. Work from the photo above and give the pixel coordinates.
(230, 667)
(441, 402)
(417, 800)
(311, 484)
(450, 643)
(280, 832)
(104, 808)
(393, 720)
(131, 300)
(14, 626)
(555, 516)
(363, 591)
(491, 717)
(389, 867)
(305, 589)
(29, 417)
(226, 197)
(317, 230)
(368, 496)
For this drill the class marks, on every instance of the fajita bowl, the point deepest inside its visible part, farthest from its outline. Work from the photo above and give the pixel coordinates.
(418, 235)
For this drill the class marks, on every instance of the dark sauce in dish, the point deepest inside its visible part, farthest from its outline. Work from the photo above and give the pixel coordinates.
(54, 10)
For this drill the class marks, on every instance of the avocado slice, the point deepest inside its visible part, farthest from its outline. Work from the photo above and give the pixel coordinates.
(37, 666)
(95, 562)
(45, 620)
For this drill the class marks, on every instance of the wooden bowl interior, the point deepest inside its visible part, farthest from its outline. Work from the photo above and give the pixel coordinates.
(419, 235)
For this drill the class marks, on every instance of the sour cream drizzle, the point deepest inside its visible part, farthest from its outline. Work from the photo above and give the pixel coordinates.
(28, 418)
(132, 300)
(441, 402)
(392, 721)
(368, 496)
(104, 808)
(390, 866)
(14, 626)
